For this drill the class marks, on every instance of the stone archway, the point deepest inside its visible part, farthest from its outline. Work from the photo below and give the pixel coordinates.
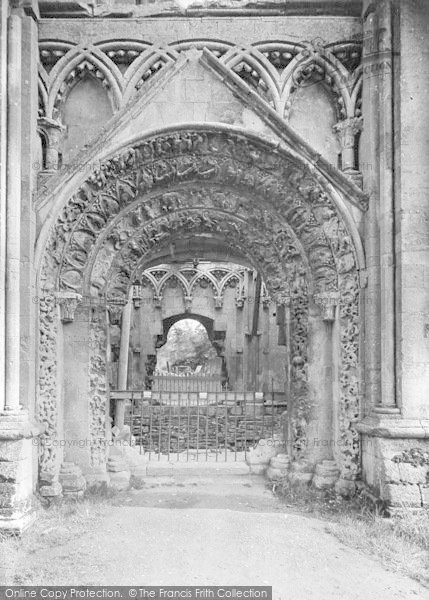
(168, 323)
(262, 201)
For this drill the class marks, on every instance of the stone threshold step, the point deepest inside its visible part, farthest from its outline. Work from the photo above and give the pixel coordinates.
(196, 468)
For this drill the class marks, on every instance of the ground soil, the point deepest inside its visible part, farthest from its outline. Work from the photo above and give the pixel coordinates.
(224, 531)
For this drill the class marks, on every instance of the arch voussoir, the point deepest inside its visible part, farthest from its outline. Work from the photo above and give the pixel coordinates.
(261, 199)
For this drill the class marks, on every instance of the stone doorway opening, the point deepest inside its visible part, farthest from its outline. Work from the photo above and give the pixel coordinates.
(204, 390)
(216, 194)
(187, 351)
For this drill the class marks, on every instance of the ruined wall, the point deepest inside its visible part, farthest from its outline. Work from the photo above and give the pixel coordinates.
(229, 305)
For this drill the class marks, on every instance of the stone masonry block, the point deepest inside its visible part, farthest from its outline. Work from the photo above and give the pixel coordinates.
(413, 474)
(10, 493)
(10, 472)
(12, 451)
(401, 495)
(391, 472)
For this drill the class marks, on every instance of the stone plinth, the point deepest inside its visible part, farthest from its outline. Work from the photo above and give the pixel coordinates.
(259, 458)
(301, 472)
(278, 468)
(118, 471)
(16, 478)
(326, 474)
(71, 479)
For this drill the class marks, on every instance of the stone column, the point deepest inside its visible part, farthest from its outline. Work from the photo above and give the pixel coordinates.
(86, 422)
(377, 156)
(99, 422)
(53, 131)
(121, 311)
(386, 215)
(13, 216)
(3, 187)
(28, 308)
(321, 431)
(347, 131)
(17, 479)
(412, 215)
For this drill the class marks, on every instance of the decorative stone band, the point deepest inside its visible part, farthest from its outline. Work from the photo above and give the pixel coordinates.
(68, 302)
(328, 301)
(394, 427)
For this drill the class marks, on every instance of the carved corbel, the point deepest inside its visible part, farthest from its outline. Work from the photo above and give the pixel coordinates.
(218, 301)
(346, 131)
(68, 302)
(188, 303)
(266, 301)
(327, 301)
(53, 133)
(239, 301)
(115, 307)
(157, 300)
(137, 295)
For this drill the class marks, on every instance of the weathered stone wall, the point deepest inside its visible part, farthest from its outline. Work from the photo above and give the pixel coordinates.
(396, 144)
(230, 308)
(412, 211)
(187, 86)
(194, 96)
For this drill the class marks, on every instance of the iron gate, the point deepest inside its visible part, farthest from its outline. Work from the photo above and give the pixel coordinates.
(200, 425)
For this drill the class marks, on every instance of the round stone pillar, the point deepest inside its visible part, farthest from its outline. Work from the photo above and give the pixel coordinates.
(320, 430)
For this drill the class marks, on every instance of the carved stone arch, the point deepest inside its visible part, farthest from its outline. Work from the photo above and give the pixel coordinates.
(259, 192)
(123, 52)
(278, 53)
(144, 67)
(268, 191)
(206, 322)
(328, 71)
(51, 52)
(229, 278)
(259, 74)
(63, 77)
(168, 278)
(129, 255)
(147, 278)
(210, 281)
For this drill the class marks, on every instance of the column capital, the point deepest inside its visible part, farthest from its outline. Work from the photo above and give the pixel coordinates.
(327, 301)
(68, 303)
(115, 307)
(347, 130)
(26, 7)
(137, 289)
(53, 131)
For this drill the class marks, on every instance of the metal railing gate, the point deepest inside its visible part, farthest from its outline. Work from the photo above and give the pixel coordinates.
(186, 426)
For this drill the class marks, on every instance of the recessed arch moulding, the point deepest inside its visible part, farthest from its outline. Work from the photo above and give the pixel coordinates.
(266, 202)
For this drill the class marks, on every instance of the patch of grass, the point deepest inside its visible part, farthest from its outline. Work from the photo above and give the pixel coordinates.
(57, 524)
(400, 541)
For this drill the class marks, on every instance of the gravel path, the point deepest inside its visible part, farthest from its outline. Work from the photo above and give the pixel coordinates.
(223, 533)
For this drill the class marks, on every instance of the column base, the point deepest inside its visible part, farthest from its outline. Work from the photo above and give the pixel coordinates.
(18, 524)
(395, 463)
(17, 479)
(386, 410)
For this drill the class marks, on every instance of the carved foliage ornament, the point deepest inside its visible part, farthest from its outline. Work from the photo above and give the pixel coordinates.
(262, 173)
(138, 185)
